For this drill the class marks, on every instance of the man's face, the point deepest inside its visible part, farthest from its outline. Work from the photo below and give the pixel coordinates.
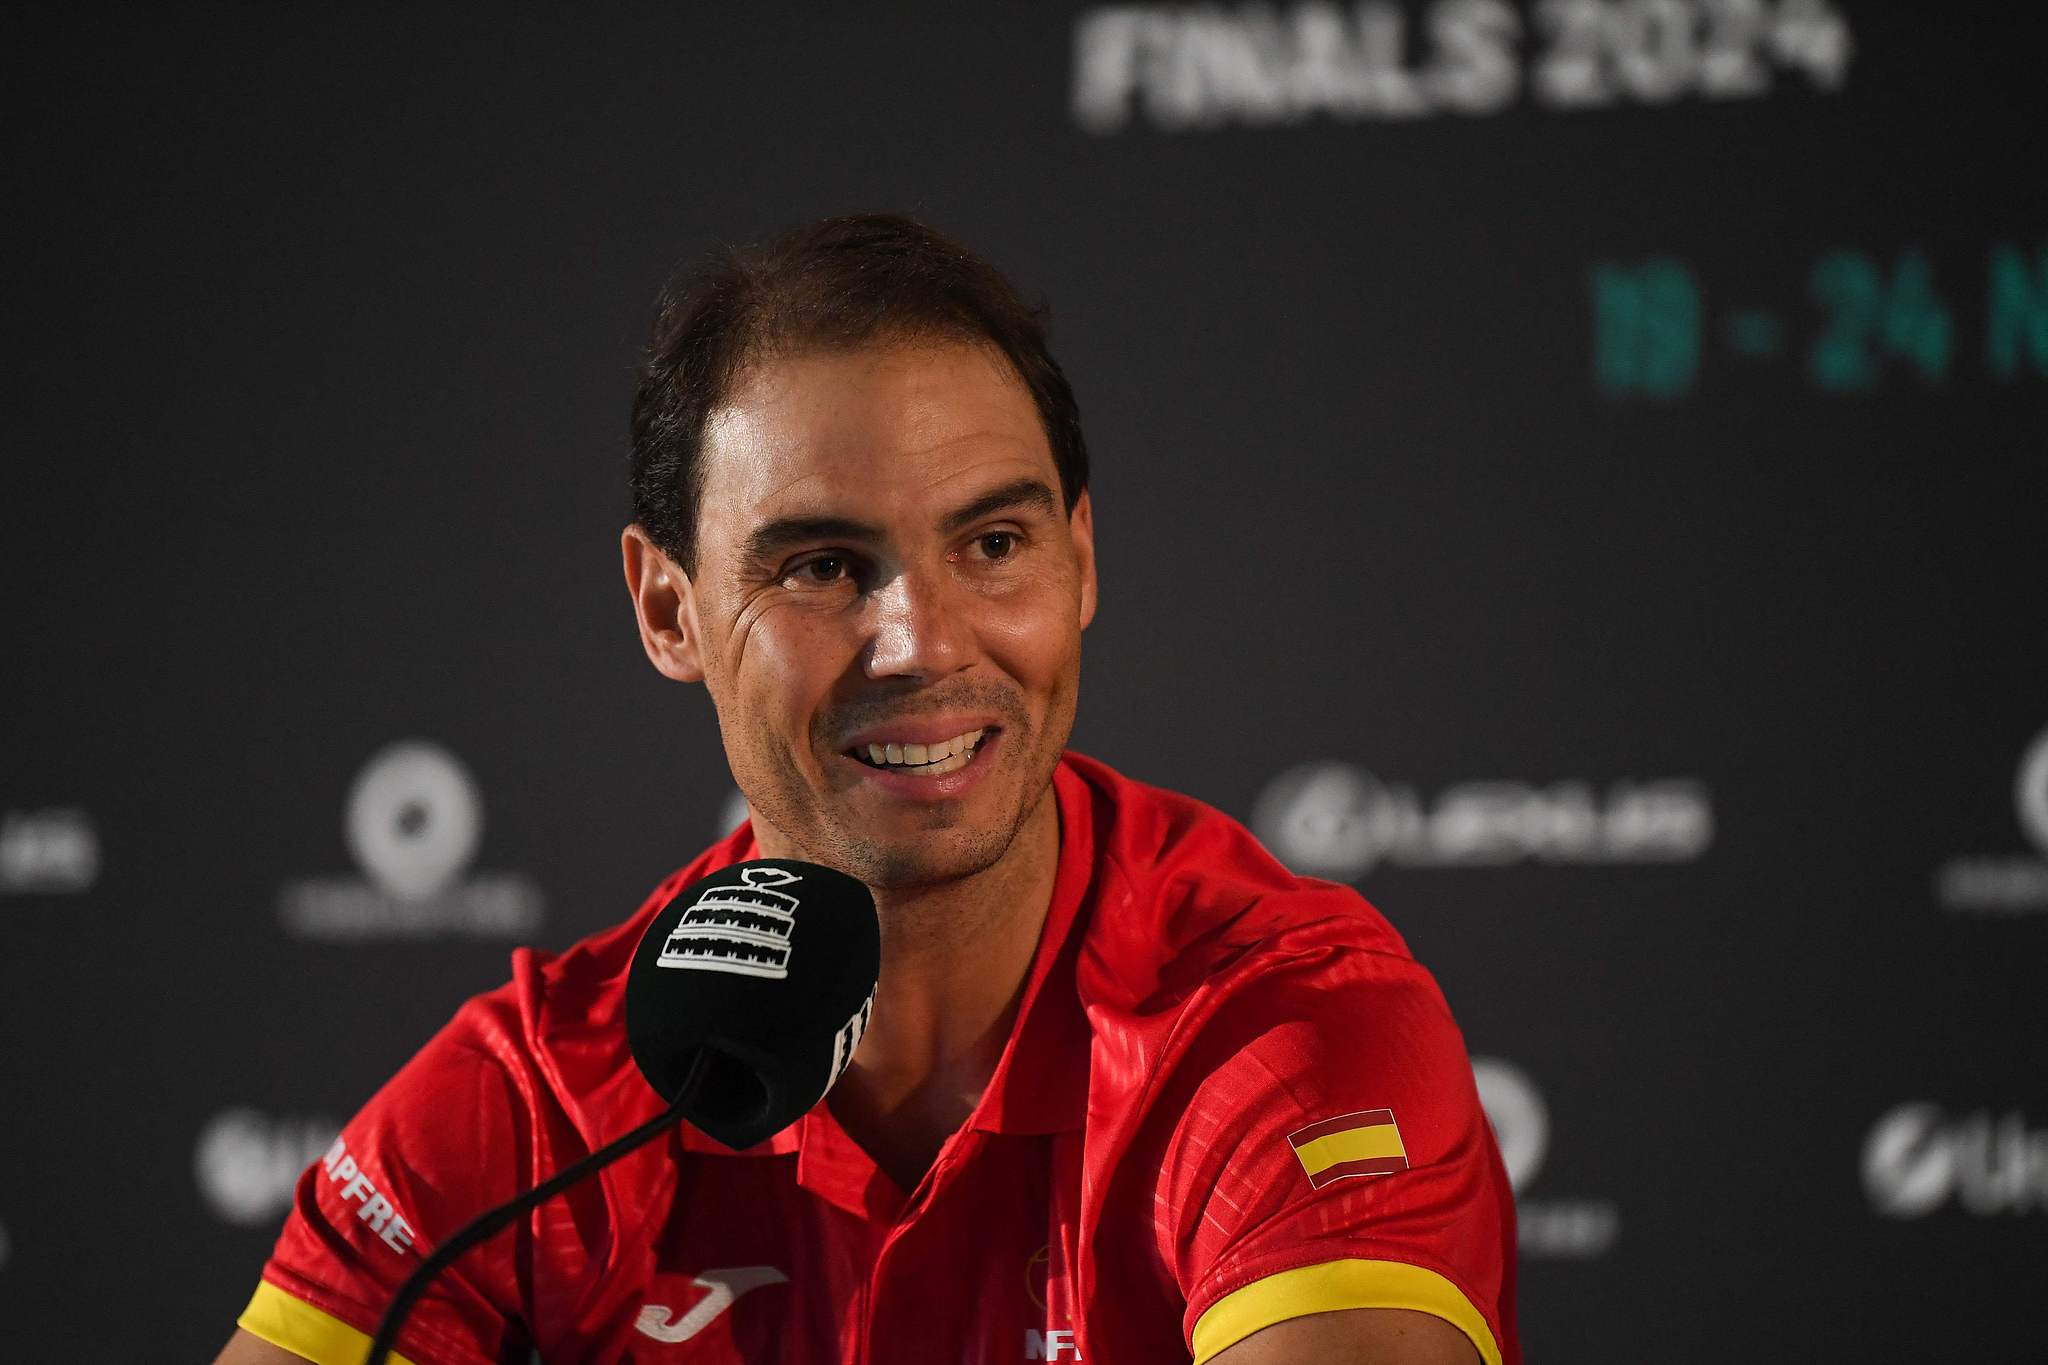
(884, 559)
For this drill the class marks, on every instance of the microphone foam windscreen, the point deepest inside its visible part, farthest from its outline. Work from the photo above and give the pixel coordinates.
(770, 967)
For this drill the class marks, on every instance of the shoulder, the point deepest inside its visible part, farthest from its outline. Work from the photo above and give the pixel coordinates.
(1187, 900)
(541, 1074)
(1222, 981)
(555, 1031)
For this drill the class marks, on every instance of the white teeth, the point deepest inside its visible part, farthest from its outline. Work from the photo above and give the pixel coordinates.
(946, 765)
(929, 759)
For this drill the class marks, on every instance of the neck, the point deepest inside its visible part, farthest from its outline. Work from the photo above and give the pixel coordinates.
(954, 959)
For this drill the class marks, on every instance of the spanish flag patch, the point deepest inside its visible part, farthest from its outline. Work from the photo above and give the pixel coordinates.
(1364, 1143)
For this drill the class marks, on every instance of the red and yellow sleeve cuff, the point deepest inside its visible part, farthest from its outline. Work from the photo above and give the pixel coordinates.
(304, 1330)
(1335, 1285)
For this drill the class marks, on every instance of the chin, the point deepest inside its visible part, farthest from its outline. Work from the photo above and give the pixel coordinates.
(910, 868)
(926, 861)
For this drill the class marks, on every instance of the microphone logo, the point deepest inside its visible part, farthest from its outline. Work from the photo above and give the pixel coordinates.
(744, 929)
(847, 1040)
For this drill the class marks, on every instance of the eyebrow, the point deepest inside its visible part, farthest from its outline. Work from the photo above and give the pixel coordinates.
(770, 539)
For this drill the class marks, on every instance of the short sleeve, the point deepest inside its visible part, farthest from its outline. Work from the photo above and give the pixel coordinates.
(1329, 1152)
(438, 1144)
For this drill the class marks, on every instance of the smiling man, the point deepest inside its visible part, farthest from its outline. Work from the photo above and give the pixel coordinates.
(1132, 1092)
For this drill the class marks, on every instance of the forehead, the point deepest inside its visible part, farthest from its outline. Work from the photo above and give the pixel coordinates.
(868, 432)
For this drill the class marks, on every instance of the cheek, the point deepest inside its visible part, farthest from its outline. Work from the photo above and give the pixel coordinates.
(1035, 639)
(788, 664)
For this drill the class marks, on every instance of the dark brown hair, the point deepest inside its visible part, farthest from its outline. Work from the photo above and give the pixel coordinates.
(835, 284)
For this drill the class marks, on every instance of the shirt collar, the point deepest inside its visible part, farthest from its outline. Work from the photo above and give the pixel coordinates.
(1040, 1083)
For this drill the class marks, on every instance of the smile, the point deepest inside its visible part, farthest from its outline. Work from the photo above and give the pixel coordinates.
(922, 760)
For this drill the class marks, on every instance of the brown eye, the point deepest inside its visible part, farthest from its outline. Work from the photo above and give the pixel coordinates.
(998, 544)
(822, 570)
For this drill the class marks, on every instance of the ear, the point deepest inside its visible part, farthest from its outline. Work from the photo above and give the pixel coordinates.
(1081, 525)
(666, 608)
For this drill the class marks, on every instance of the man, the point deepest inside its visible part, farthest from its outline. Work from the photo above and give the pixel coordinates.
(1132, 1092)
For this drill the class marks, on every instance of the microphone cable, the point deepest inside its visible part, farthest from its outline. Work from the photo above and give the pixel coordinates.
(494, 1220)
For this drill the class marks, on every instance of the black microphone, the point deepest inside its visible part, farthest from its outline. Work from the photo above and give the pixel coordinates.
(744, 1003)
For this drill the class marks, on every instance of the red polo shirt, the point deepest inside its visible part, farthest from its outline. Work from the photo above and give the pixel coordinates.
(1230, 1098)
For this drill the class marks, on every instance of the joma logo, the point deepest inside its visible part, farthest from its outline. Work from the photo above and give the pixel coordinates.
(658, 1320)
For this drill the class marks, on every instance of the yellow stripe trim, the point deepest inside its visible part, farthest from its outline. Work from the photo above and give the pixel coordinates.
(1353, 1144)
(1335, 1285)
(301, 1328)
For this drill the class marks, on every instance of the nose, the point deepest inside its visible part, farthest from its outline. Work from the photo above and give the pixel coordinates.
(920, 628)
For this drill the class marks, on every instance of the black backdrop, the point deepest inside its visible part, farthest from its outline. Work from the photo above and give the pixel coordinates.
(1574, 467)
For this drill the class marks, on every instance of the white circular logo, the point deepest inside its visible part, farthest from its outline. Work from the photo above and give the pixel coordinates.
(1324, 820)
(734, 811)
(246, 1163)
(1521, 1121)
(414, 819)
(2030, 791)
(1909, 1166)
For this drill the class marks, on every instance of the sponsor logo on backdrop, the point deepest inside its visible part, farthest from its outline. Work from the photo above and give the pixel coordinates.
(247, 1162)
(1337, 820)
(1550, 1228)
(1189, 67)
(48, 852)
(413, 821)
(734, 811)
(1920, 1159)
(2014, 884)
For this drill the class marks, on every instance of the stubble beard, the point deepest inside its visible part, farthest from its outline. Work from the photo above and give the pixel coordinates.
(943, 851)
(801, 827)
